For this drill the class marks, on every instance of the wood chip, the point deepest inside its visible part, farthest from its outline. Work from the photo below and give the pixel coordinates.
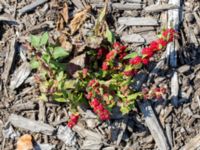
(31, 125)
(9, 61)
(126, 6)
(153, 125)
(78, 4)
(192, 144)
(138, 21)
(174, 20)
(174, 89)
(31, 6)
(160, 8)
(132, 38)
(20, 75)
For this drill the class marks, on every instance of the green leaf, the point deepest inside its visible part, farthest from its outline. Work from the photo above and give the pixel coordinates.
(35, 41)
(124, 110)
(43, 97)
(110, 35)
(34, 64)
(70, 84)
(59, 97)
(60, 76)
(44, 39)
(46, 57)
(134, 96)
(59, 52)
(131, 55)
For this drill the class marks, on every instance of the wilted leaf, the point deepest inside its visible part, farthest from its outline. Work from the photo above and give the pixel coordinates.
(78, 19)
(100, 19)
(110, 35)
(44, 39)
(25, 142)
(59, 52)
(64, 13)
(64, 43)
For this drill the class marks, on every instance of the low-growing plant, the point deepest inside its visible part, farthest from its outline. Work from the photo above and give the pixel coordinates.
(104, 84)
(105, 81)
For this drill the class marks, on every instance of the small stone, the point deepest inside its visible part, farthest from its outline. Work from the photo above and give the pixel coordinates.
(189, 17)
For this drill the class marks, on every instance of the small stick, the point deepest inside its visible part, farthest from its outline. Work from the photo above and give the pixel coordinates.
(31, 6)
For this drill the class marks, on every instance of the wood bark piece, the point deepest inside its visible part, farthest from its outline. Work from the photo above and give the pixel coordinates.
(153, 125)
(9, 61)
(197, 18)
(31, 6)
(169, 134)
(127, 6)
(138, 21)
(174, 19)
(24, 106)
(87, 133)
(78, 4)
(159, 8)
(134, 1)
(42, 111)
(8, 19)
(174, 89)
(20, 75)
(31, 125)
(133, 38)
(40, 27)
(193, 144)
(157, 68)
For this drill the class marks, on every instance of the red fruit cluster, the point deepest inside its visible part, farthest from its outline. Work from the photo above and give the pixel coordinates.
(73, 120)
(118, 50)
(94, 102)
(147, 52)
(154, 93)
(100, 110)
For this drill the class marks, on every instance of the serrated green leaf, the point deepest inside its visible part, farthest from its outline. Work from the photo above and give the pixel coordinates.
(35, 41)
(131, 55)
(110, 35)
(34, 64)
(59, 52)
(44, 39)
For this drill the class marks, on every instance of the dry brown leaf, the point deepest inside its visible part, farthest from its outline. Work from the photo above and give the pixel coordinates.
(64, 43)
(25, 142)
(78, 19)
(60, 23)
(64, 13)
